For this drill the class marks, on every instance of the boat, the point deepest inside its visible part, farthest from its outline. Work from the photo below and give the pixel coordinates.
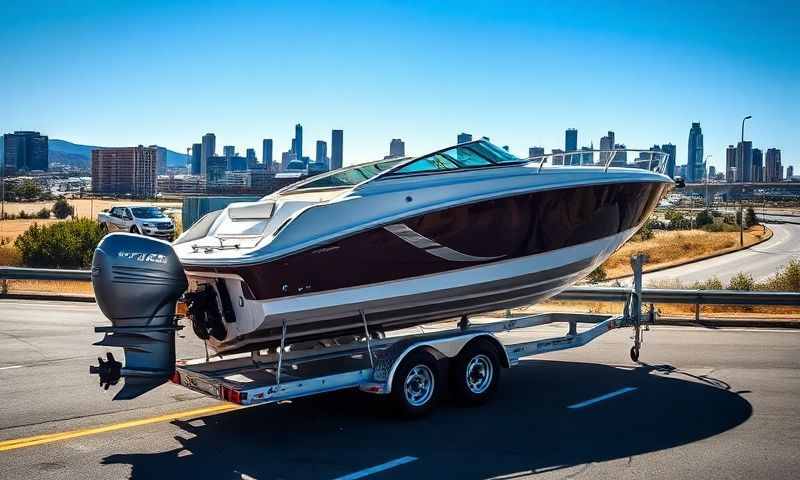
(384, 245)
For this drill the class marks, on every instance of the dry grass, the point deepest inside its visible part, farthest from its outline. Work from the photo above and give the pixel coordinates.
(677, 247)
(67, 287)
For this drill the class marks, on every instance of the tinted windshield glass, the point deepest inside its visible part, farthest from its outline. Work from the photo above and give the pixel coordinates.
(147, 212)
(478, 154)
(494, 153)
(351, 176)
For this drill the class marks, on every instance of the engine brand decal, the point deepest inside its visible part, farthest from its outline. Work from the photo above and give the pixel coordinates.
(144, 257)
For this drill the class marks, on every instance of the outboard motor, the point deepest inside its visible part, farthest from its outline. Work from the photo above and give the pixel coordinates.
(137, 281)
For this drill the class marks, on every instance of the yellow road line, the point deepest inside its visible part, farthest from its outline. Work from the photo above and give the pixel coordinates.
(56, 437)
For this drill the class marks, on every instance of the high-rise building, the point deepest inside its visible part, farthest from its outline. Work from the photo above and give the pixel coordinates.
(558, 156)
(789, 173)
(161, 159)
(606, 144)
(672, 152)
(197, 152)
(397, 148)
(535, 152)
(620, 158)
(587, 157)
(695, 168)
(571, 140)
(322, 152)
(758, 165)
(773, 165)
(744, 161)
(228, 151)
(250, 156)
(266, 155)
(124, 171)
(209, 149)
(712, 172)
(286, 159)
(464, 138)
(730, 164)
(25, 151)
(216, 167)
(297, 142)
(337, 149)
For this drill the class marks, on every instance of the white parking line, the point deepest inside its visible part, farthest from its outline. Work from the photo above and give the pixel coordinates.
(602, 397)
(378, 468)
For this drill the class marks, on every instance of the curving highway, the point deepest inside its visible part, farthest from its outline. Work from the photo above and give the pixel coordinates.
(760, 261)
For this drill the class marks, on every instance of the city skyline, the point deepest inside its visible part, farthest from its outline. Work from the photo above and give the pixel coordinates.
(721, 70)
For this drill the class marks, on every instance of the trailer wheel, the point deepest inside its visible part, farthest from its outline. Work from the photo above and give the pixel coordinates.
(634, 354)
(414, 388)
(474, 373)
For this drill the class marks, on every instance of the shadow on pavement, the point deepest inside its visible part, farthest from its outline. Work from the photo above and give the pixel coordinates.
(527, 427)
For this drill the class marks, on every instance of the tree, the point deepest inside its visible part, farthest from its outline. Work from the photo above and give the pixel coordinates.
(62, 209)
(598, 275)
(67, 244)
(703, 218)
(28, 190)
(742, 281)
(750, 217)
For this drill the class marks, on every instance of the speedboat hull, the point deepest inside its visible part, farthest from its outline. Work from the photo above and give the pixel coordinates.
(464, 259)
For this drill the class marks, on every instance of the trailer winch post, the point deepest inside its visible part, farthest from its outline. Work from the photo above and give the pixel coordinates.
(635, 310)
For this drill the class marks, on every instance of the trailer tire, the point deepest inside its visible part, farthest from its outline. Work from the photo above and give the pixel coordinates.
(475, 373)
(415, 385)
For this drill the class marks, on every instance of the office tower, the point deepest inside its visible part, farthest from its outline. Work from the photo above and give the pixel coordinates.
(266, 155)
(209, 149)
(297, 142)
(620, 158)
(758, 165)
(730, 164)
(694, 161)
(789, 173)
(464, 138)
(125, 170)
(571, 140)
(286, 159)
(25, 151)
(606, 144)
(712, 172)
(322, 152)
(773, 165)
(558, 156)
(397, 148)
(250, 156)
(535, 152)
(587, 158)
(161, 159)
(744, 161)
(197, 150)
(228, 151)
(337, 149)
(672, 153)
(216, 167)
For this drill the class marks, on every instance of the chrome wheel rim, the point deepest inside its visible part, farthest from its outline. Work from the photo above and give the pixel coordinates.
(479, 374)
(419, 385)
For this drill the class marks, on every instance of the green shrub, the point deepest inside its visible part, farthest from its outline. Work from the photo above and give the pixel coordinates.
(28, 190)
(598, 275)
(750, 217)
(44, 213)
(712, 283)
(703, 218)
(742, 281)
(23, 214)
(62, 209)
(67, 244)
(644, 233)
(787, 279)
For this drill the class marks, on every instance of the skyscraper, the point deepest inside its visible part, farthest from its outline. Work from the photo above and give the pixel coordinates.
(789, 173)
(228, 151)
(535, 152)
(606, 144)
(672, 151)
(464, 138)
(297, 143)
(758, 165)
(266, 155)
(25, 151)
(397, 148)
(744, 161)
(694, 162)
(209, 149)
(322, 152)
(197, 152)
(730, 164)
(774, 168)
(337, 149)
(571, 140)
(127, 170)
(250, 156)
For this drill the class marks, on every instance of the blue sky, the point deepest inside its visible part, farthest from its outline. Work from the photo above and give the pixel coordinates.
(125, 73)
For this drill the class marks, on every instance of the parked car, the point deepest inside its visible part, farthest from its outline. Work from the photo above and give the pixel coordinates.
(142, 219)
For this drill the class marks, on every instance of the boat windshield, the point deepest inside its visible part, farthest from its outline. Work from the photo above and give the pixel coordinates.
(347, 177)
(468, 155)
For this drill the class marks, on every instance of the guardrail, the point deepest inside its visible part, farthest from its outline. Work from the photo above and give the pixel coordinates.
(590, 294)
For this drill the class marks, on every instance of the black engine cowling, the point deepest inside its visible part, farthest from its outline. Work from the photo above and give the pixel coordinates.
(137, 281)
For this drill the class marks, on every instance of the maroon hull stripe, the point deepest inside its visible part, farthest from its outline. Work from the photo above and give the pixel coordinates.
(492, 230)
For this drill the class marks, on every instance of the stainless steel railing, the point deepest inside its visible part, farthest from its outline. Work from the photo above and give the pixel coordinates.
(655, 161)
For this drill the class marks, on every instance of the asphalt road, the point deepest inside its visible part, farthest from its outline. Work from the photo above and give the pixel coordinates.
(705, 404)
(760, 261)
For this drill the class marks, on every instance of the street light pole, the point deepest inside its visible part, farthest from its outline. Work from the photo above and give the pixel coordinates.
(741, 211)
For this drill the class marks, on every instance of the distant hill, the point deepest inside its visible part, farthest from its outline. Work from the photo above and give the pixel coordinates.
(62, 151)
